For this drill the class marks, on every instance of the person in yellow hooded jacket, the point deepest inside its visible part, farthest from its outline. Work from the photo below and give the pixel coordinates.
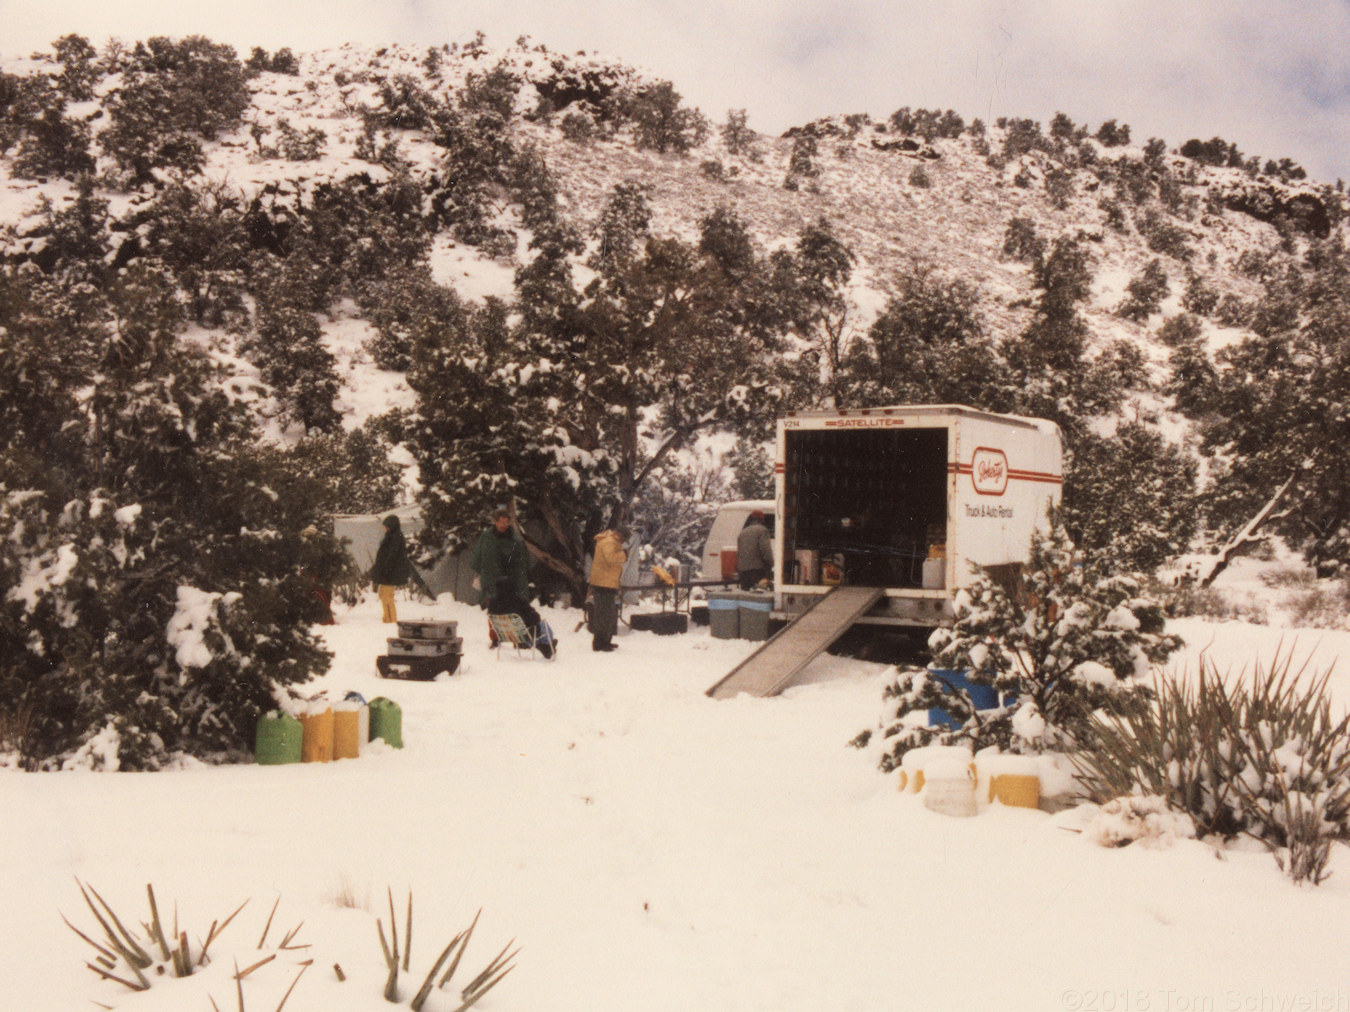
(606, 570)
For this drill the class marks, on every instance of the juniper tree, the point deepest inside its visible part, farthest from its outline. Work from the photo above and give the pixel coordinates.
(1281, 414)
(1145, 292)
(80, 70)
(809, 290)
(572, 407)
(663, 123)
(1130, 496)
(198, 231)
(751, 468)
(928, 346)
(174, 94)
(1064, 640)
(49, 142)
(1193, 380)
(124, 604)
(802, 161)
(287, 347)
(736, 134)
(77, 234)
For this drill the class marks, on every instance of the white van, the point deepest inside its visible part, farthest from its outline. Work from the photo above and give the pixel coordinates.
(731, 517)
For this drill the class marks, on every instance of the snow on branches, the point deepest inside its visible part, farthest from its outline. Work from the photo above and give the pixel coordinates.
(1064, 640)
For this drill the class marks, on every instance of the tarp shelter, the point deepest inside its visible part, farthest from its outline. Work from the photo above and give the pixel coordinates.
(362, 533)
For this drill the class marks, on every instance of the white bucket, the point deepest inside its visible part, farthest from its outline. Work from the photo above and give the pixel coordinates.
(949, 787)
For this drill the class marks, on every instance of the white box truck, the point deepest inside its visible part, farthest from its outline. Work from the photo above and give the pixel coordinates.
(906, 499)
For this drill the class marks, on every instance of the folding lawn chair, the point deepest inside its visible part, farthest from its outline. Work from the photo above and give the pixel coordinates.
(511, 629)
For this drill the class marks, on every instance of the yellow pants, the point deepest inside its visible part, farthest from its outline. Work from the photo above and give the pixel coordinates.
(387, 611)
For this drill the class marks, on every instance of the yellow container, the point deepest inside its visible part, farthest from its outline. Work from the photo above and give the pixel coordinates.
(317, 744)
(911, 781)
(1021, 790)
(347, 732)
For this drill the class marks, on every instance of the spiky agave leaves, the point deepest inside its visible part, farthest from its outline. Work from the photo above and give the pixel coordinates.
(1259, 755)
(452, 954)
(176, 956)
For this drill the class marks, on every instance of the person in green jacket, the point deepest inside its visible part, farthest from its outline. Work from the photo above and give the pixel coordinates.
(500, 551)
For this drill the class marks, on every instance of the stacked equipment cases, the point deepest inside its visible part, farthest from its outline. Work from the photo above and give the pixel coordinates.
(421, 651)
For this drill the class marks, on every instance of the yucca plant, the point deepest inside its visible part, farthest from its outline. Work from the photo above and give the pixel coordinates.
(131, 960)
(1260, 755)
(489, 978)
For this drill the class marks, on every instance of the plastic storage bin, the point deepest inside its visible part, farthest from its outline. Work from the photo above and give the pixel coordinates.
(724, 614)
(755, 610)
(279, 739)
(949, 787)
(985, 697)
(1021, 790)
(934, 573)
(917, 760)
(386, 721)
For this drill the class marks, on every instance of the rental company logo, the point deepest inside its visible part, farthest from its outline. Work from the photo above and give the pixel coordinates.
(989, 471)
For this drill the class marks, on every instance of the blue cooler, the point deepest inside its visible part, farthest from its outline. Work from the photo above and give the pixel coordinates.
(755, 610)
(724, 614)
(985, 697)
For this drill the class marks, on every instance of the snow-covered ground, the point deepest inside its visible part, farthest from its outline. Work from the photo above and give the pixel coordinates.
(647, 848)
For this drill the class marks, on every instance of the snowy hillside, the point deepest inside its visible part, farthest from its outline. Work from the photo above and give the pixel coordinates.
(897, 202)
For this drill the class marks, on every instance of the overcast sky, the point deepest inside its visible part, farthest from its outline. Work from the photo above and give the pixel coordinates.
(1272, 76)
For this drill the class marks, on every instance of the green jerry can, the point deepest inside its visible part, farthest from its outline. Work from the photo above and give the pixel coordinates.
(279, 739)
(386, 721)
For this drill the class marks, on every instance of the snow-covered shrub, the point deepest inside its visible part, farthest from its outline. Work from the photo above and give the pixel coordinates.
(50, 142)
(287, 347)
(578, 126)
(1322, 607)
(661, 122)
(174, 94)
(736, 133)
(1137, 818)
(152, 594)
(300, 145)
(1055, 645)
(1259, 755)
(1145, 293)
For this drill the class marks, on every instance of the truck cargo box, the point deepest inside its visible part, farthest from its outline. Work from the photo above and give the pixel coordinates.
(908, 499)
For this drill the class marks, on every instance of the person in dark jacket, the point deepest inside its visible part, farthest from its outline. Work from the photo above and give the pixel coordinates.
(500, 551)
(392, 567)
(505, 601)
(754, 552)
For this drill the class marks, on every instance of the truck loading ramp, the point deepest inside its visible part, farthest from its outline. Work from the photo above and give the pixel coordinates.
(771, 668)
